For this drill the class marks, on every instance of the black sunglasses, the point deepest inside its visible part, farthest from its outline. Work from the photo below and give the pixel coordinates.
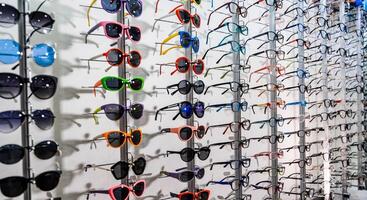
(184, 87)
(188, 154)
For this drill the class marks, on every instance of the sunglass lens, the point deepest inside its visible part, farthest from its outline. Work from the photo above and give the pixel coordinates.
(11, 154)
(136, 84)
(186, 110)
(13, 186)
(199, 87)
(43, 55)
(136, 137)
(41, 22)
(186, 176)
(111, 6)
(184, 87)
(195, 44)
(187, 154)
(48, 180)
(10, 121)
(185, 39)
(43, 86)
(116, 139)
(120, 170)
(121, 193)
(113, 111)
(9, 51)
(200, 173)
(45, 150)
(198, 67)
(134, 33)
(200, 132)
(184, 16)
(139, 166)
(44, 119)
(113, 83)
(203, 195)
(185, 133)
(114, 57)
(10, 85)
(199, 109)
(9, 15)
(182, 64)
(136, 111)
(187, 196)
(113, 30)
(196, 21)
(134, 7)
(204, 153)
(134, 59)
(198, 2)
(139, 188)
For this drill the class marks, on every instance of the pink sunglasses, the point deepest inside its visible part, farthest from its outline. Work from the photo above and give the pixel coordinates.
(114, 30)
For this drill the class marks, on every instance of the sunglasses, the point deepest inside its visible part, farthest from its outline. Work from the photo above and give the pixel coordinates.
(185, 133)
(42, 86)
(11, 120)
(114, 30)
(120, 169)
(10, 52)
(197, 2)
(115, 57)
(186, 109)
(186, 176)
(13, 153)
(186, 41)
(117, 139)
(188, 154)
(133, 7)
(184, 87)
(115, 111)
(15, 185)
(40, 21)
(183, 65)
(200, 195)
(122, 192)
(112, 83)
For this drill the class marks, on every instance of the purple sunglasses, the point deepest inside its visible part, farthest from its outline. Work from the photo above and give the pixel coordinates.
(187, 175)
(116, 111)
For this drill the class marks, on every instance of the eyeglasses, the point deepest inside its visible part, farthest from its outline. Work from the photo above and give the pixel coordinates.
(186, 176)
(133, 7)
(42, 86)
(270, 155)
(241, 10)
(280, 170)
(13, 153)
(115, 30)
(268, 87)
(122, 192)
(11, 120)
(231, 27)
(235, 47)
(269, 188)
(233, 86)
(46, 181)
(301, 148)
(188, 154)
(186, 109)
(234, 164)
(184, 87)
(185, 133)
(301, 163)
(117, 139)
(272, 139)
(183, 65)
(270, 54)
(279, 69)
(234, 144)
(112, 83)
(271, 36)
(327, 103)
(199, 195)
(272, 122)
(186, 41)
(302, 88)
(232, 181)
(116, 111)
(235, 106)
(245, 124)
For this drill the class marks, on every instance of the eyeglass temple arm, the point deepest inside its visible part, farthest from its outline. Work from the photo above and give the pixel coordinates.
(97, 192)
(89, 9)
(210, 15)
(94, 114)
(160, 19)
(95, 27)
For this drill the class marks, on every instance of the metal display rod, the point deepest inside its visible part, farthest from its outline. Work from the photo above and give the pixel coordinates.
(237, 98)
(23, 71)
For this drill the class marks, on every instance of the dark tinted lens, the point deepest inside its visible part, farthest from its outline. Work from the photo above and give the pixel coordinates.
(113, 111)
(200, 132)
(136, 111)
(113, 30)
(185, 39)
(134, 7)
(134, 33)
(186, 176)
(44, 119)
(199, 87)
(186, 110)
(111, 6)
(45, 150)
(48, 180)
(204, 153)
(136, 84)
(120, 170)
(187, 197)
(116, 139)
(136, 137)
(195, 44)
(199, 67)
(10, 121)
(43, 86)
(204, 196)
(182, 64)
(139, 166)
(199, 109)
(196, 21)
(121, 193)
(114, 57)
(134, 59)
(184, 16)
(9, 15)
(10, 85)
(11, 154)
(185, 133)
(139, 188)
(187, 154)
(41, 22)
(184, 87)
(113, 83)
(200, 174)
(13, 186)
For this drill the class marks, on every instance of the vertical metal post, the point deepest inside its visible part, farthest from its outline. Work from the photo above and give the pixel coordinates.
(273, 100)
(302, 123)
(237, 97)
(124, 151)
(190, 98)
(24, 96)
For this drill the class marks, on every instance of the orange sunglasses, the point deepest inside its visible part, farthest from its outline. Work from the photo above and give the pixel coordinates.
(116, 139)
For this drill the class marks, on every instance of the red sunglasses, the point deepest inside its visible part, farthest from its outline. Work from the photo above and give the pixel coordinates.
(185, 17)
(123, 191)
(115, 57)
(201, 195)
(183, 65)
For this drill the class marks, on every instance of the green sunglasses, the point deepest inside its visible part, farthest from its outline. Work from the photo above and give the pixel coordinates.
(112, 83)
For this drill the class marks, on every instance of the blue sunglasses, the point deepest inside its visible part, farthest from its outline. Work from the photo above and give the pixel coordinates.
(187, 40)
(10, 52)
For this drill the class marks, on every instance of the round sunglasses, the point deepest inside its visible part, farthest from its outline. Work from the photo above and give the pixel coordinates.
(115, 57)
(116, 139)
(183, 65)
